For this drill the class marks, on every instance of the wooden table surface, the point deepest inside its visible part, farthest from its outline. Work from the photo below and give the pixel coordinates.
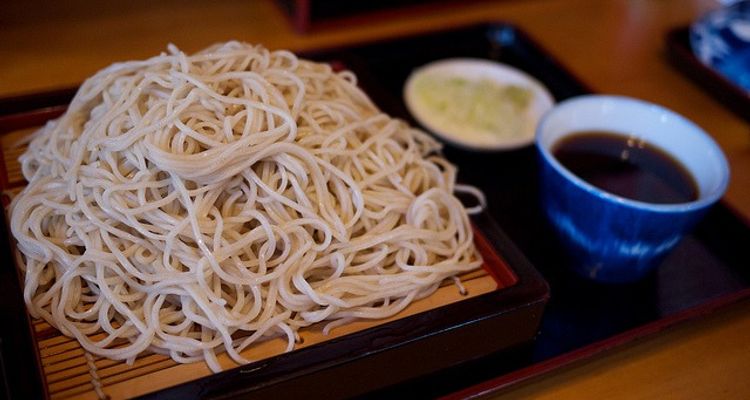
(614, 46)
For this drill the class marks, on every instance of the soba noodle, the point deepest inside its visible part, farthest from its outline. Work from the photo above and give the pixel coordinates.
(192, 205)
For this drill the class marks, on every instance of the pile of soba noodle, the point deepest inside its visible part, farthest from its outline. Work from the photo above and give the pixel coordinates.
(193, 205)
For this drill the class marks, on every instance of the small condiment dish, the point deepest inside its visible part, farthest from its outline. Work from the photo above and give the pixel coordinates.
(477, 104)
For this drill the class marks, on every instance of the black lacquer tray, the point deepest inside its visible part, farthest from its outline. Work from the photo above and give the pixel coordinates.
(709, 269)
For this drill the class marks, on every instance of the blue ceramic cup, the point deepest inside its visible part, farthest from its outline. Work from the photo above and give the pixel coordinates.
(611, 238)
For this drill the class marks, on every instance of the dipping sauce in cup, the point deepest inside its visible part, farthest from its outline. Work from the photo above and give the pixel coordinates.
(623, 180)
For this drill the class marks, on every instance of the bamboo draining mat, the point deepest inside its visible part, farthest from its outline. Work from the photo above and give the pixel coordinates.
(71, 372)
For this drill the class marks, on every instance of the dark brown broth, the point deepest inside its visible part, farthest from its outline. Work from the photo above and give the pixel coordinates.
(626, 166)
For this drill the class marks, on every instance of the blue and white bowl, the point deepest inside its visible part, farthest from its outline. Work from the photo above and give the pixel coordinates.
(612, 238)
(721, 40)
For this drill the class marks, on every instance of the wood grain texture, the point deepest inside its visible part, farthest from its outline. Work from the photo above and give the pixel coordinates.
(707, 359)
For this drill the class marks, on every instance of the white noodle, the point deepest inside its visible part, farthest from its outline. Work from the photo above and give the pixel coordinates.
(189, 205)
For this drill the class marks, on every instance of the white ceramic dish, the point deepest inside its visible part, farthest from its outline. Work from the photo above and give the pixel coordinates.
(478, 72)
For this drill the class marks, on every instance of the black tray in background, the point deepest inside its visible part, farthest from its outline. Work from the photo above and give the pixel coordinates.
(681, 55)
(710, 268)
(310, 15)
